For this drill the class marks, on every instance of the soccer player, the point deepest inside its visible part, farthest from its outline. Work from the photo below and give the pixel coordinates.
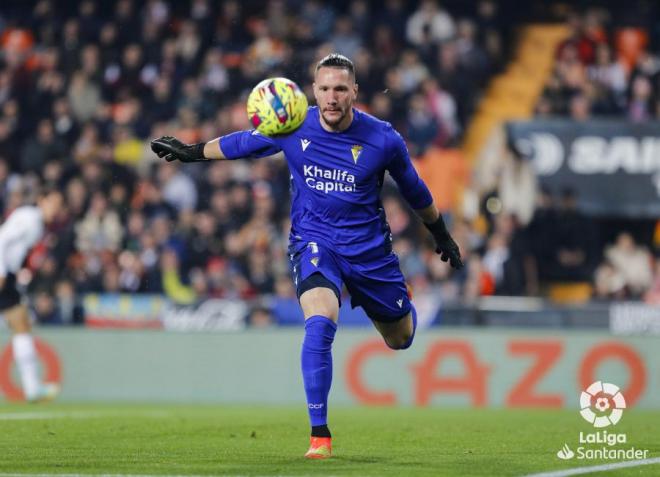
(18, 234)
(339, 235)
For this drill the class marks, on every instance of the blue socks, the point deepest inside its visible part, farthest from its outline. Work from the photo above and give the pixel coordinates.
(316, 362)
(414, 320)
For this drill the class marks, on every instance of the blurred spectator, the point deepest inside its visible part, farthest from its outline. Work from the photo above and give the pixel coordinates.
(443, 108)
(320, 15)
(8, 181)
(412, 71)
(429, 17)
(383, 41)
(580, 107)
(173, 286)
(608, 72)
(360, 16)
(258, 272)
(574, 235)
(579, 41)
(542, 231)
(45, 309)
(260, 317)
(520, 268)
(41, 148)
(608, 283)
(496, 254)
(652, 295)
(631, 266)
(410, 260)
(84, 97)
(100, 228)
(640, 108)
(131, 272)
(66, 128)
(421, 126)
(178, 189)
(344, 38)
(479, 281)
(472, 56)
(518, 184)
(69, 308)
(489, 28)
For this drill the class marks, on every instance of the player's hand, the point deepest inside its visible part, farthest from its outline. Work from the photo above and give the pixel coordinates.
(444, 244)
(448, 251)
(171, 149)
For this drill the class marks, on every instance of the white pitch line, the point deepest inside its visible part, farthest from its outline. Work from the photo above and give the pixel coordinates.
(31, 416)
(597, 468)
(98, 475)
(114, 475)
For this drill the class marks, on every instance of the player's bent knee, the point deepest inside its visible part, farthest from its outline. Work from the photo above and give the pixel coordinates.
(399, 342)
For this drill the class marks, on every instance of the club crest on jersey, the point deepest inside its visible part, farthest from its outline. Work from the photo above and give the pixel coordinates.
(356, 151)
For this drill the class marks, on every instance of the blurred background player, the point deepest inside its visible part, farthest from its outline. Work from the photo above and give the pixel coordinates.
(339, 235)
(18, 234)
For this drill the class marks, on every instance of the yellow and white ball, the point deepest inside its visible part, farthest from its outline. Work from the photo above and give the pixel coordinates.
(276, 106)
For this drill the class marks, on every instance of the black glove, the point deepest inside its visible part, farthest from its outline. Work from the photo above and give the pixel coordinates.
(444, 244)
(172, 149)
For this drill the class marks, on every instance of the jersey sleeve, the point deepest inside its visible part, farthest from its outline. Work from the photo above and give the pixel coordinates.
(18, 235)
(400, 167)
(9, 235)
(248, 144)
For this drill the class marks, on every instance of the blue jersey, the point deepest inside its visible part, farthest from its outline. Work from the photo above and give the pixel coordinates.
(336, 178)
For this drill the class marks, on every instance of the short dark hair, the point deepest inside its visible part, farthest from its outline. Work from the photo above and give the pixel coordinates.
(336, 60)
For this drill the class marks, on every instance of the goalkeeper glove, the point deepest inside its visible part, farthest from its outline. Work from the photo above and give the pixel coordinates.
(444, 244)
(171, 149)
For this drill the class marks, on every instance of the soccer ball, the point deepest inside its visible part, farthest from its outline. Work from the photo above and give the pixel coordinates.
(276, 106)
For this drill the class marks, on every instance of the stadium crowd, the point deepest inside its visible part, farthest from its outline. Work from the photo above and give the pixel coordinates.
(600, 72)
(608, 66)
(84, 86)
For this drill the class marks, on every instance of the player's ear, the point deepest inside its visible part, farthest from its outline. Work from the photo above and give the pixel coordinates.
(355, 90)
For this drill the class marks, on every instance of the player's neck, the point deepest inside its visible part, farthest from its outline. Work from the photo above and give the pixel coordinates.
(343, 125)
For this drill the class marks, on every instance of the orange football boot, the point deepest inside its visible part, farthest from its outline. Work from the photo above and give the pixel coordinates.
(319, 448)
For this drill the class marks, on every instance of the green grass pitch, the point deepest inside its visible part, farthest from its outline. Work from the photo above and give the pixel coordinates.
(241, 440)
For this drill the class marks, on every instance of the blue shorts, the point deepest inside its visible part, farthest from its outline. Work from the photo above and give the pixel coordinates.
(377, 284)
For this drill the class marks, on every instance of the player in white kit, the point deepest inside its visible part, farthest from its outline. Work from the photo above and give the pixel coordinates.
(24, 227)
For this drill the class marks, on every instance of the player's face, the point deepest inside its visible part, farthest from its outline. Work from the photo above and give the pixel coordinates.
(335, 90)
(51, 205)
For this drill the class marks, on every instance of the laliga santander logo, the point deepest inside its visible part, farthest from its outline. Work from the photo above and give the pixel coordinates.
(606, 399)
(602, 405)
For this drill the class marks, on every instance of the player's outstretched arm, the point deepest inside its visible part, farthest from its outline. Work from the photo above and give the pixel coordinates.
(417, 194)
(236, 145)
(444, 244)
(171, 149)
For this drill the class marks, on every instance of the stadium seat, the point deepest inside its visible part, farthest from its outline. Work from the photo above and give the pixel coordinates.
(565, 293)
